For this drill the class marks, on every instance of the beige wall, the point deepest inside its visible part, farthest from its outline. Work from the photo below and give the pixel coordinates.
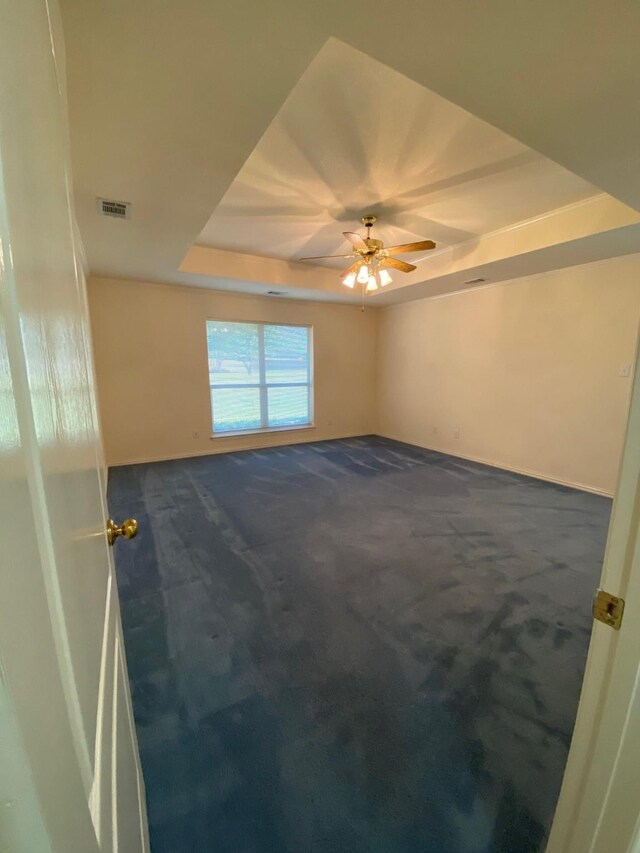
(151, 364)
(526, 372)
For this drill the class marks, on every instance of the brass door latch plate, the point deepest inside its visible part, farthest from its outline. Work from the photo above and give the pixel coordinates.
(608, 608)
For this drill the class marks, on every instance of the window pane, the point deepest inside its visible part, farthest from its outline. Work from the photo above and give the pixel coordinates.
(286, 350)
(235, 408)
(233, 353)
(288, 406)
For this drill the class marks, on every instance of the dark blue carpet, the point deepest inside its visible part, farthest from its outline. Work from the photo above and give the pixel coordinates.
(353, 647)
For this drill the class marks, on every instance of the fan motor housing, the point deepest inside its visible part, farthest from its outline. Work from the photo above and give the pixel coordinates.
(374, 245)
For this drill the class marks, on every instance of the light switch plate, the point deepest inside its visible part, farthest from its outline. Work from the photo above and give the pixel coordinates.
(625, 370)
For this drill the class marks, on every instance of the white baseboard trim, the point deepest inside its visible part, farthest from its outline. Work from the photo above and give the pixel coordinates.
(283, 442)
(492, 463)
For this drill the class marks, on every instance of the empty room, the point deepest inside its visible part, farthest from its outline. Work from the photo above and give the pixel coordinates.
(320, 428)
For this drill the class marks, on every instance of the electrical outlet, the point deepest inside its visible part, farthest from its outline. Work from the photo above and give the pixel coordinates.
(456, 432)
(434, 430)
(195, 434)
(625, 370)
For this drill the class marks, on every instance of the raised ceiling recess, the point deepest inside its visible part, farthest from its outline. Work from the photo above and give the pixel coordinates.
(320, 128)
(356, 137)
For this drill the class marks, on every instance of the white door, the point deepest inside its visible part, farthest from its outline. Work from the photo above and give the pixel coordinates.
(69, 768)
(599, 806)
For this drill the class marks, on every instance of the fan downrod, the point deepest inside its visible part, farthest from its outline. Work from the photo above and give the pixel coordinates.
(374, 245)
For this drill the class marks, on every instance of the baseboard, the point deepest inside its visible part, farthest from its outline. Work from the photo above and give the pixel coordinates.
(215, 452)
(492, 463)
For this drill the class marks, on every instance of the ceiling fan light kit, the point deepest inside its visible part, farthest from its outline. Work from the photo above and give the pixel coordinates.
(373, 258)
(349, 280)
(363, 274)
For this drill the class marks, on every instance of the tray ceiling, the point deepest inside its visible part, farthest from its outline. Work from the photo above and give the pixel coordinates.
(355, 136)
(175, 121)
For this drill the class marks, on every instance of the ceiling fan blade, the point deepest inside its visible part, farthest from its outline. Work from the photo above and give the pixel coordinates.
(353, 268)
(324, 257)
(420, 246)
(356, 241)
(397, 264)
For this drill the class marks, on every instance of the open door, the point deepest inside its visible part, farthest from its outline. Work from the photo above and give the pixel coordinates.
(69, 763)
(599, 806)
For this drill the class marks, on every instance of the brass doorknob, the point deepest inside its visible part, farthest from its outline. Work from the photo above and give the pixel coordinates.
(128, 529)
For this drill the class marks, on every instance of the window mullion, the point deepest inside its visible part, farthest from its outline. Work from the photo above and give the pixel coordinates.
(264, 404)
(310, 415)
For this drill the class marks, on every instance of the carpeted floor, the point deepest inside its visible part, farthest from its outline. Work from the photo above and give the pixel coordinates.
(353, 646)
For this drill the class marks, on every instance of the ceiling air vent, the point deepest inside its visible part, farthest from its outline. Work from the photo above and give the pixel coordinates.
(475, 281)
(119, 209)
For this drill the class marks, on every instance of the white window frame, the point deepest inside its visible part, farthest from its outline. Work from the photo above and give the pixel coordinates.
(262, 385)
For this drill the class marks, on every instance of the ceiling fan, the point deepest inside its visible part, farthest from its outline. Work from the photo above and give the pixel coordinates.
(373, 258)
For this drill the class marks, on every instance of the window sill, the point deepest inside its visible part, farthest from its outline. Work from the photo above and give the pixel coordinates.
(261, 431)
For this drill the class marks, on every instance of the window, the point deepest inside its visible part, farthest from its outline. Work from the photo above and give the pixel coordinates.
(259, 376)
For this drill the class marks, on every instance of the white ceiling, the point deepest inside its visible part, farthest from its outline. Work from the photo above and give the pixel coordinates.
(169, 101)
(355, 136)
